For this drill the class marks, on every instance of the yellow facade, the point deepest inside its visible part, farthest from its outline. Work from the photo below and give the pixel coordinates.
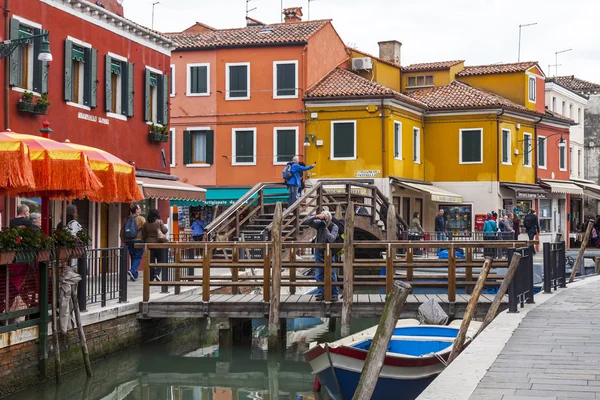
(442, 149)
(440, 77)
(383, 73)
(375, 157)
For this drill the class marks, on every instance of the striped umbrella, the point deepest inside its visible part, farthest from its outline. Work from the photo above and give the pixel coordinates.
(16, 172)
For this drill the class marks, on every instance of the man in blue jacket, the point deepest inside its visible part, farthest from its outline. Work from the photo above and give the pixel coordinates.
(295, 180)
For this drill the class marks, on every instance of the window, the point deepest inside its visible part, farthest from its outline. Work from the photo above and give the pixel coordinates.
(419, 81)
(172, 148)
(416, 145)
(579, 163)
(545, 215)
(506, 159)
(579, 115)
(198, 147)
(570, 110)
(398, 140)
(81, 73)
(562, 155)
(471, 146)
(26, 71)
(532, 88)
(118, 86)
(237, 81)
(541, 152)
(172, 72)
(553, 103)
(571, 161)
(343, 140)
(564, 109)
(285, 79)
(198, 79)
(244, 146)
(156, 97)
(285, 142)
(527, 149)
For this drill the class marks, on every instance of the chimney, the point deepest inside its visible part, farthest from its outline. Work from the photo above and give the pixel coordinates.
(292, 14)
(390, 51)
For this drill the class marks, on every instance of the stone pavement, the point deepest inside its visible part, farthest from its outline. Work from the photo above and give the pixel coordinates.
(554, 353)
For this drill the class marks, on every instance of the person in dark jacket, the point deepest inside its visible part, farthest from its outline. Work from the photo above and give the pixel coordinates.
(516, 226)
(440, 226)
(532, 225)
(150, 235)
(327, 232)
(295, 181)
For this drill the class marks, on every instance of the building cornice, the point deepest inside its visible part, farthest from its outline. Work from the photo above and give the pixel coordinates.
(555, 87)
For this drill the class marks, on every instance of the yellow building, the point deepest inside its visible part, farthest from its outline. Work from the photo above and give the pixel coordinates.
(425, 75)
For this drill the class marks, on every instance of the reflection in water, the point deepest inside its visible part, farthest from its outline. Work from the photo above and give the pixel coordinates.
(180, 368)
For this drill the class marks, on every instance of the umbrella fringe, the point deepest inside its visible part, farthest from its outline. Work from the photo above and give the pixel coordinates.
(16, 170)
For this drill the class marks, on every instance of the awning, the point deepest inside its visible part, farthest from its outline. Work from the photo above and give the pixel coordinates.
(228, 196)
(561, 187)
(590, 189)
(438, 195)
(523, 190)
(170, 190)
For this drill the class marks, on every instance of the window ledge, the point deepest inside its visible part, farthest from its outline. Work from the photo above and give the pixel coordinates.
(281, 162)
(152, 123)
(173, 165)
(203, 165)
(197, 94)
(542, 167)
(527, 166)
(419, 87)
(243, 164)
(236, 98)
(398, 158)
(470, 162)
(275, 97)
(343, 159)
(116, 116)
(77, 105)
(21, 90)
(507, 163)
(417, 162)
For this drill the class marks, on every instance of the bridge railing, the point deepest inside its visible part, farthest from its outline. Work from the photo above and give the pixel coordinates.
(554, 266)
(521, 287)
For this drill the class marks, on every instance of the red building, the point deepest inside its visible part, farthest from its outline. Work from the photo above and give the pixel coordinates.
(107, 83)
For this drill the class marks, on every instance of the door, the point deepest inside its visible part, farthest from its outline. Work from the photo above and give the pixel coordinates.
(406, 209)
(419, 208)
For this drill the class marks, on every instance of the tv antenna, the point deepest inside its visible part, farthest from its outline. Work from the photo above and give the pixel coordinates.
(248, 11)
(308, 16)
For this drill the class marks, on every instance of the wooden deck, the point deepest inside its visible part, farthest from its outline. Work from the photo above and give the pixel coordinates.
(298, 306)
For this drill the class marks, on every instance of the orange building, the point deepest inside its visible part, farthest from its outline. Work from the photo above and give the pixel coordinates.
(245, 87)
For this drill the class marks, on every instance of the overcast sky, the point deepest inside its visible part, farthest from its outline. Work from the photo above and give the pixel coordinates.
(478, 31)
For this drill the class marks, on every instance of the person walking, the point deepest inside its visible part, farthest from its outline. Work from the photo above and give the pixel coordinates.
(22, 219)
(440, 226)
(327, 232)
(532, 225)
(293, 178)
(131, 234)
(516, 226)
(150, 235)
(415, 224)
(490, 230)
(198, 229)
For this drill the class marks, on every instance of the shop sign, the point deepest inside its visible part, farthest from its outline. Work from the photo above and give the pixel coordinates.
(368, 173)
(93, 118)
(440, 198)
(529, 195)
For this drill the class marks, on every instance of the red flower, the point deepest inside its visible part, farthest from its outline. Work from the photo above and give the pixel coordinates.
(18, 240)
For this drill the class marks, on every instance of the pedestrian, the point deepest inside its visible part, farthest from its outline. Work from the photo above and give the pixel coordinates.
(489, 233)
(302, 187)
(198, 229)
(327, 232)
(508, 222)
(73, 225)
(150, 235)
(500, 224)
(415, 224)
(131, 234)
(532, 225)
(440, 225)
(36, 220)
(516, 226)
(494, 216)
(292, 174)
(22, 219)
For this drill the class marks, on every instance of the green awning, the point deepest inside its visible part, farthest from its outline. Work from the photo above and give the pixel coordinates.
(115, 67)
(78, 54)
(153, 80)
(25, 32)
(228, 196)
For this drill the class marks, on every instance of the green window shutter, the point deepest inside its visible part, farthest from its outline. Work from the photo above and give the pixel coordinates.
(92, 78)
(343, 140)
(147, 110)
(286, 145)
(87, 74)
(44, 68)
(286, 79)
(108, 83)
(128, 93)
(471, 146)
(37, 64)
(541, 152)
(504, 146)
(187, 147)
(396, 140)
(210, 144)
(68, 70)
(199, 80)
(165, 91)
(238, 81)
(244, 147)
(14, 57)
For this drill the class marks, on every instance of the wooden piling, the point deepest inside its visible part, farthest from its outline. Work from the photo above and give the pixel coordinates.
(584, 244)
(451, 274)
(273, 340)
(55, 341)
(177, 270)
(374, 362)
(81, 333)
(348, 291)
(597, 264)
(470, 311)
(146, 278)
(390, 253)
(206, 273)
(491, 314)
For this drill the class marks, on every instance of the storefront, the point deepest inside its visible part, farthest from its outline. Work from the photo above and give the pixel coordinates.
(519, 199)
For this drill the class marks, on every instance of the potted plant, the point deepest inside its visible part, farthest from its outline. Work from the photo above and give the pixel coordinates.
(64, 242)
(158, 133)
(29, 243)
(25, 103)
(45, 249)
(9, 243)
(42, 104)
(83, 240)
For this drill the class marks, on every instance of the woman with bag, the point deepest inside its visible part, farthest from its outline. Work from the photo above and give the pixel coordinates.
(154, 231)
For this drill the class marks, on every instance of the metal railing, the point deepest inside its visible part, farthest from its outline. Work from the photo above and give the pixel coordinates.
(521, 288)
(103, 276)
(555, 274)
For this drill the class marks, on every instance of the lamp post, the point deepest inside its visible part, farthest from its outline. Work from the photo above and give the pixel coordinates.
(521, 26)
(556, 60)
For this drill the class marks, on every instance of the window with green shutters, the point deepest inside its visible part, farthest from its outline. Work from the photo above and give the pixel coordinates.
(26, 71)
(541, 150)
(118, 85)
(156, 97)
(237, 81)
(81, 73)
(527, 149)
(416, 145)
(562, 158)
(506, 146)
(198, 147)
(198, 79)
(286, 140)
(398, 140)
(285, 79)
(244, 146)
(343, 140)
(471, 146)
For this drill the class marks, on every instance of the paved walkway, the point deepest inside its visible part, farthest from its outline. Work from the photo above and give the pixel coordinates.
(554, 353)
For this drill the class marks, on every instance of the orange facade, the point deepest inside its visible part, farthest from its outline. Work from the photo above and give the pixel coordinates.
(261, 113)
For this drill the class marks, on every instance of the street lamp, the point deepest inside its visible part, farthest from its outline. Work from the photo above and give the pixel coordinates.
(7, 47)
(556, 59)
(521, 26)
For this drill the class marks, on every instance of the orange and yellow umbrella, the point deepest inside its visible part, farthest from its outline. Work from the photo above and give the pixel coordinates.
(59, 171)
(117, 176)
(16, 172)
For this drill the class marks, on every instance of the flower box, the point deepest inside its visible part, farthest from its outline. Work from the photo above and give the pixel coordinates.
(157, 137)
(7, 257)
(26, 107)
(78, 252)
(40, 109)
(25, 256)
(63, 253)
(43, 255)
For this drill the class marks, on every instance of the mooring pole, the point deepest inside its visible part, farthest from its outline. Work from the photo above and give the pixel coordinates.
(348, 270)
(273, 341)
(584, 244)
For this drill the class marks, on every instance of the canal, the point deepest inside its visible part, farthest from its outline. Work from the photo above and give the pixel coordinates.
(188, 365)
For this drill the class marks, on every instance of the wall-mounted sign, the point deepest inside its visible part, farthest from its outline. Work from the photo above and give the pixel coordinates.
(368, 173)
(93, 118)
(530, 195)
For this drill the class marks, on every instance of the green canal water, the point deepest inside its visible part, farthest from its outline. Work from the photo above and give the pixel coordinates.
(182, 366)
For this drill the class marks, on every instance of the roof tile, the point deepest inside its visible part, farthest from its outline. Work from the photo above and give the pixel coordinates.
(496, 68)
(431, 66)
(576, 84)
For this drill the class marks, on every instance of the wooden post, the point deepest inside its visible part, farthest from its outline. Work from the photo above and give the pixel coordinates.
(348, 270)
(273, 375)
(177, 289)
(292, 271)
(276, 284)
(451, 274)
(512, 270)
(82, 341)
(327, 272)
(55, 341)
(470, 311)
(374, 362)
(235, 259)
(469, 270)
(389, 269)
(410, 259)
(43, 302)
(374, 209)
(146, 278)
(391, 233)
(206, 274)
(597, 263)
(267, 274)
(390, 253)
(584, 244)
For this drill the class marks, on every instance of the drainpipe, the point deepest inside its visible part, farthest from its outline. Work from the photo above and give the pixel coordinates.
(498, 144)
(535, 149)
(6, 64)
(384, 169)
